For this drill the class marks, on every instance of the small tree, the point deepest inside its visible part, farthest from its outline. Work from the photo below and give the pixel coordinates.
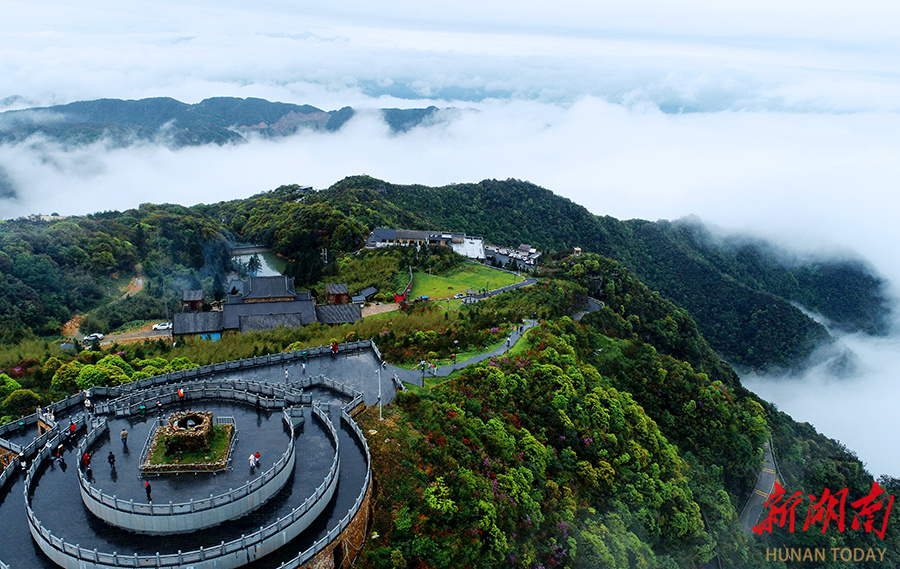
(20, 401)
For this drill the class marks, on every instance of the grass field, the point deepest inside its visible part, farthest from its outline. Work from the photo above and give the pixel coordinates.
(470, 276)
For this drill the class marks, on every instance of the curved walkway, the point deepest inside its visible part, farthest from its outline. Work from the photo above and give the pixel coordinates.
(593, 306)
(415, 376)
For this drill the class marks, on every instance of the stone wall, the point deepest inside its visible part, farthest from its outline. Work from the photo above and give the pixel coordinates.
(350, 541)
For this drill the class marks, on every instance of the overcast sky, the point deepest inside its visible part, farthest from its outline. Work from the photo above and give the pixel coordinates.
(775, 118)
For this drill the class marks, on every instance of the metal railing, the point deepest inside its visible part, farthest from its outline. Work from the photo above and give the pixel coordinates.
(234, 553)
(321, 380)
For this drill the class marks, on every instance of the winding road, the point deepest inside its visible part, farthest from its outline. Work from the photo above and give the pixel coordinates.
(764, 484)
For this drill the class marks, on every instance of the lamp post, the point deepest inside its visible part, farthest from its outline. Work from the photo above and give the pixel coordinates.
(378, 372)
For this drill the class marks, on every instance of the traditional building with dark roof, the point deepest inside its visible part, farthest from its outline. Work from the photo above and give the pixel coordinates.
(266, 303)
(338, 313)
(471, 247)
(338, 293)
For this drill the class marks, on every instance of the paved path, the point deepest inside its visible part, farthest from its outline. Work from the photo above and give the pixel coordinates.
(593, 306)
(764, 484)
(476, 297)
(415, 376)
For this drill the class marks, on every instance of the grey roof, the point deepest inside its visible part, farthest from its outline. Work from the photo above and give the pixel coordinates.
(197, 322)
(337, 288)
(365, 293)
(269, 287)
(238, 284)
(270, 321)
(191, 295)
(382, 234)
(338, 313)
(413, 234)
(235, 311)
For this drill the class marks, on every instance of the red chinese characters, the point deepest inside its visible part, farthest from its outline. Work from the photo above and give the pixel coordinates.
(826, 509)
(868, 506)
(777, 507)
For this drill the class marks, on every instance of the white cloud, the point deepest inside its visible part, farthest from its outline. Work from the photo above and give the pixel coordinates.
(811, 56)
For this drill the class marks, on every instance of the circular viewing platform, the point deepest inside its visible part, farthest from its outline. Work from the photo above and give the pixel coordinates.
(307, 494)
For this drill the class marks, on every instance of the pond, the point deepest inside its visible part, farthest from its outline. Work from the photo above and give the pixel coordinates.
(272, 264)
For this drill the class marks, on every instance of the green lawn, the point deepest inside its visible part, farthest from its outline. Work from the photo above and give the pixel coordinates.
(470, 276)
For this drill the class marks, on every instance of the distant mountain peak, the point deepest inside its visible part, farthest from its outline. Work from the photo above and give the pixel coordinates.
(164, 120)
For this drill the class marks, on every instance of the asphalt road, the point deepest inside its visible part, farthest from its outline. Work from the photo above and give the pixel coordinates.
(764, 484)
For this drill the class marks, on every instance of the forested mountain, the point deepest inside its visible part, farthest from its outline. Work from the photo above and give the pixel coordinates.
(218, 120)
(741, 292)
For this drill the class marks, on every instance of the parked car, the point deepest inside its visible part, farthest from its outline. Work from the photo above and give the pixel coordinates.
(91, 337)
(459, 295)
(162, 326)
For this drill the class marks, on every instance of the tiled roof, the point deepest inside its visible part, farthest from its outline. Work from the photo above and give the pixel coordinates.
(191, 295)
(368, 291)
(270, 321)
(197, 322)
(338, 313)
(337, 288)
(269, 287)
(235, 284)
(235, 311)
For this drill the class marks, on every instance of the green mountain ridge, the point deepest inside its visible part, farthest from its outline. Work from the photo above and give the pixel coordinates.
(217, 120)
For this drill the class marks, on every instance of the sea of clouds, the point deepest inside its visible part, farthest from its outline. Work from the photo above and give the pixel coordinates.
(775, 120)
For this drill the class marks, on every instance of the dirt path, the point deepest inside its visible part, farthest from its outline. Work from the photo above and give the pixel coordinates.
(374, 309)
(137, 283)
(145, 332)
(71, 327)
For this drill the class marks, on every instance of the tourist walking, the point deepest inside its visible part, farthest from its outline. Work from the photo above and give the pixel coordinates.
(285, 375)
(124, 436)
(86, 459)
(252, 461)
(256, 460)
(147, 490)
(111, 458)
